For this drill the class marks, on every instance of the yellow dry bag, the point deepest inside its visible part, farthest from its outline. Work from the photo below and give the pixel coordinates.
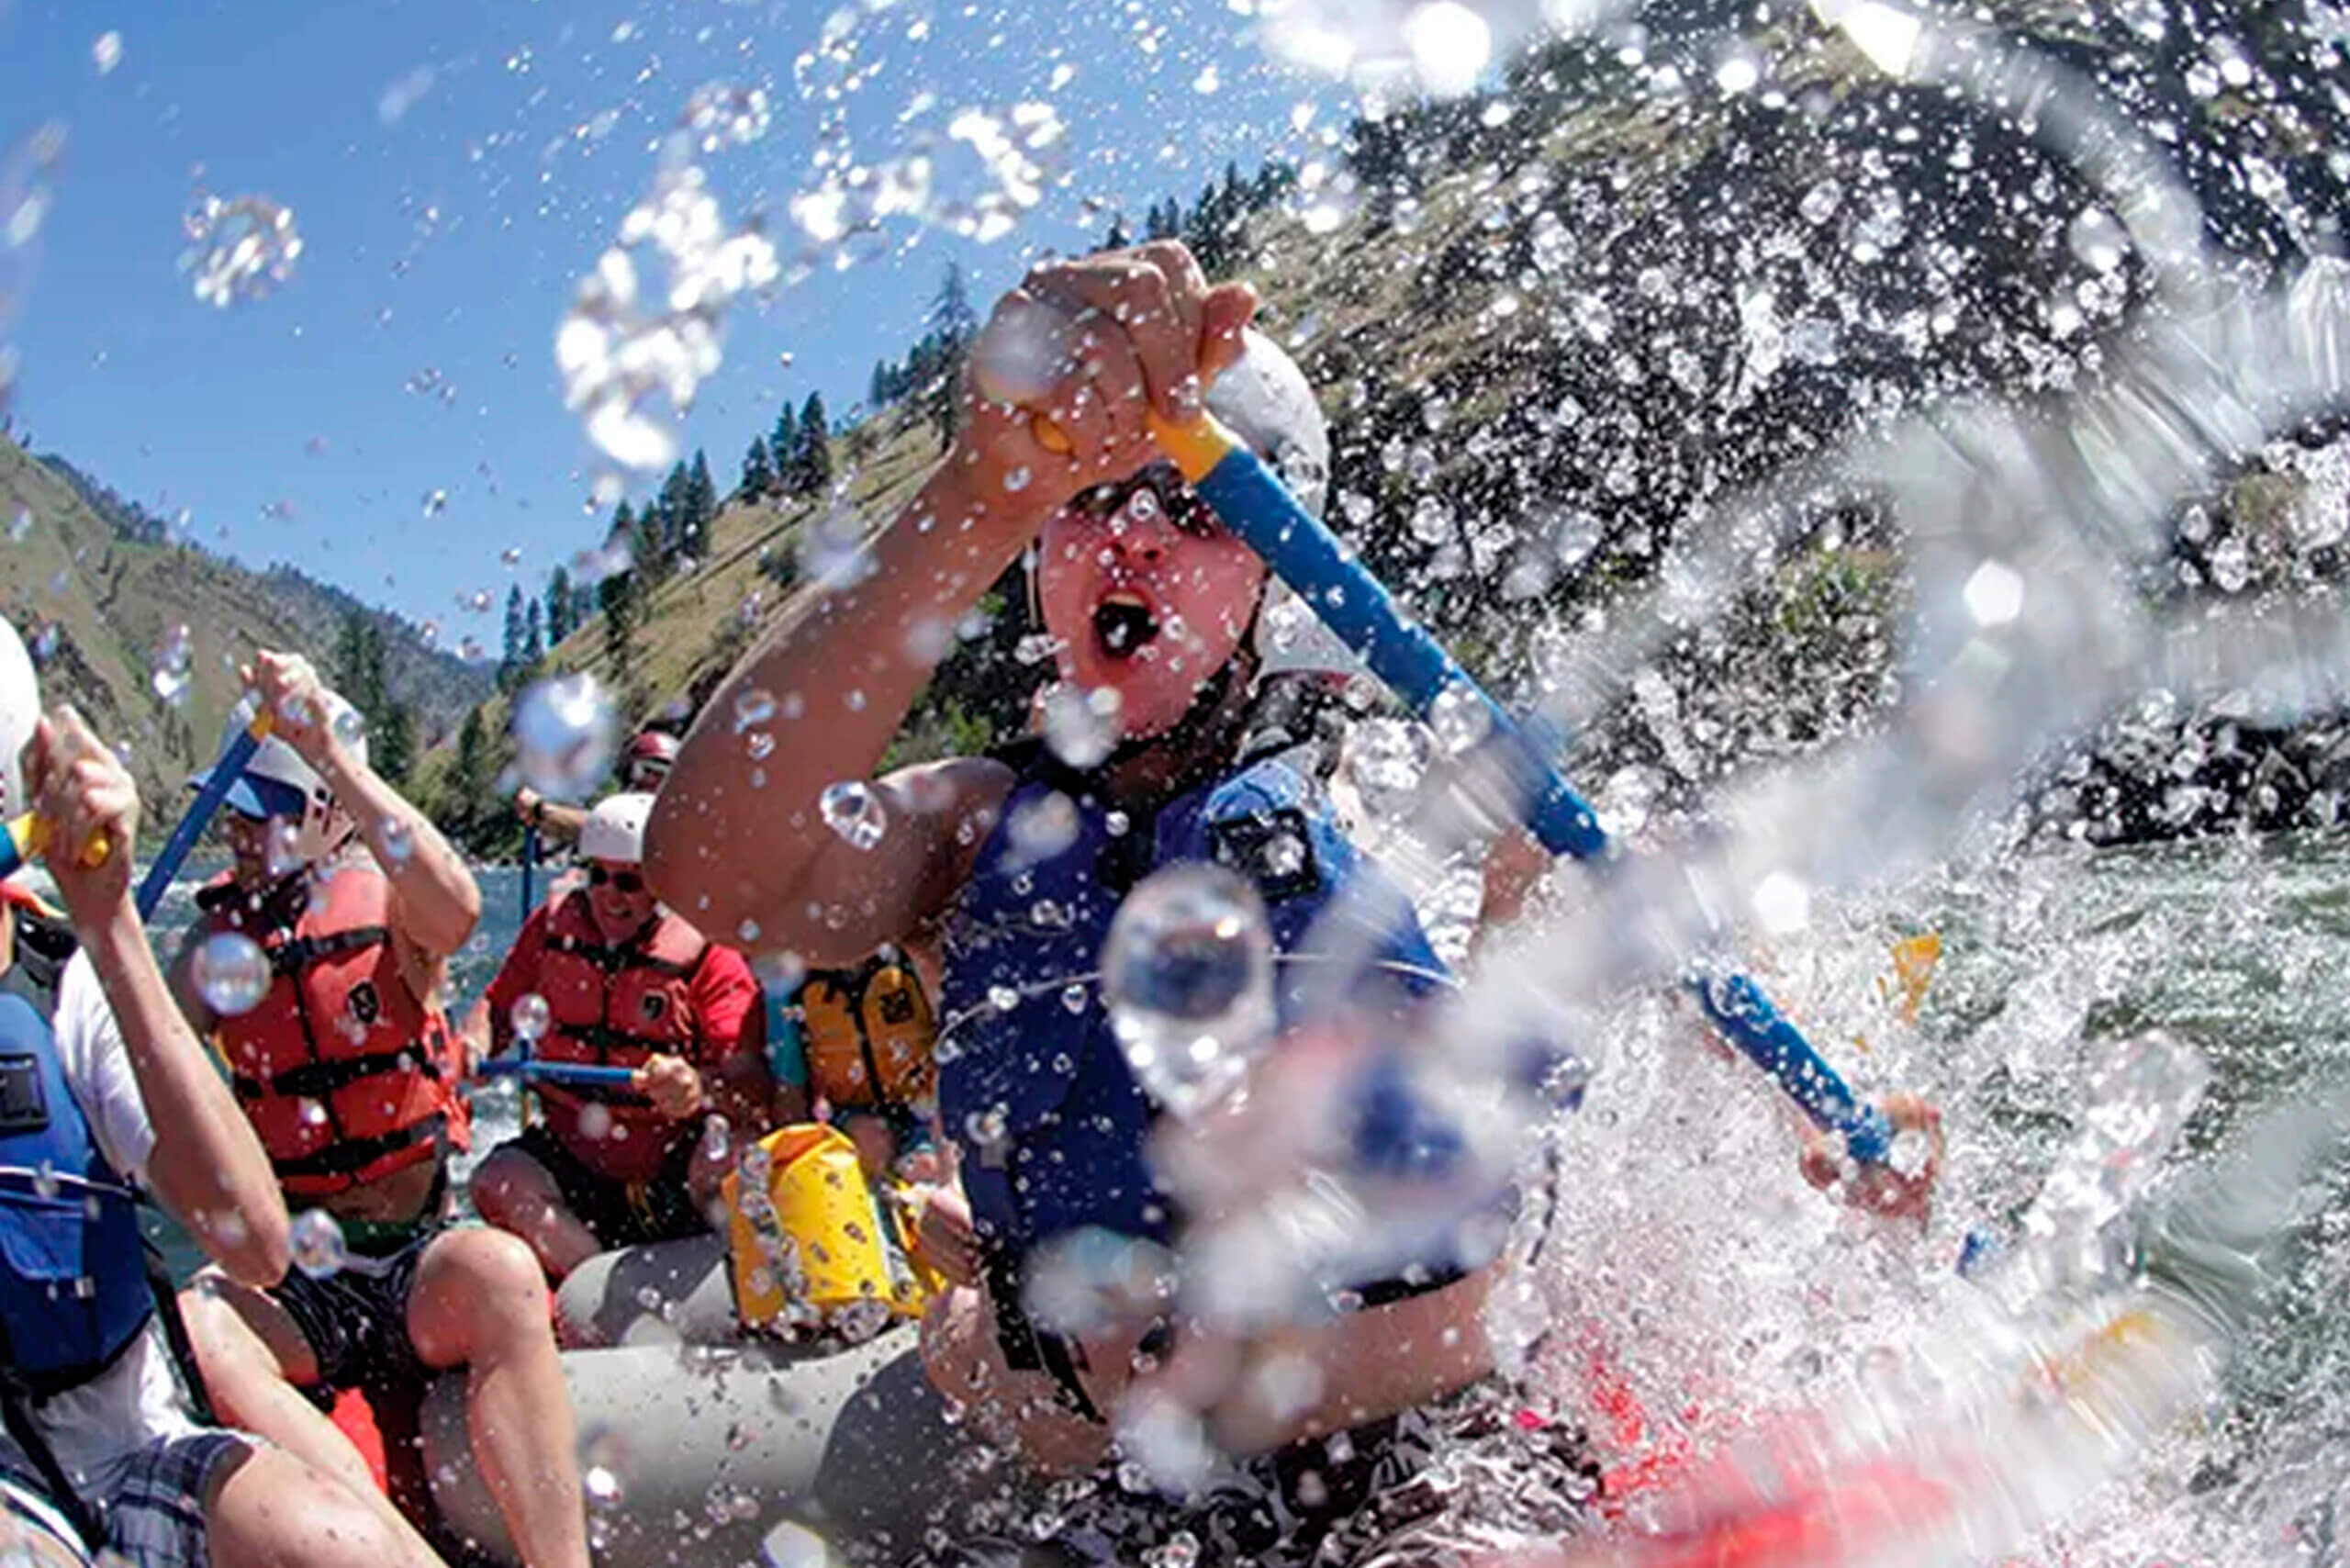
(816, 1247)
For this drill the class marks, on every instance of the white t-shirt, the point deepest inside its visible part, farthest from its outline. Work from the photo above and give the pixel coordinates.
(137, 1399)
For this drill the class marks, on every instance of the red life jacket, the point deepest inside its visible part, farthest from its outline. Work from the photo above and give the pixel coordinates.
(615, 1004)
(344, 1074)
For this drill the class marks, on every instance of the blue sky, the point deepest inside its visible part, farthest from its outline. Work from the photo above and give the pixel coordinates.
(443, 243)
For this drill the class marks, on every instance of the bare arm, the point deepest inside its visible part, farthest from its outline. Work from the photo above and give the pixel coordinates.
(557, 823)
(205, 1165)
(737, 838)
(436, 903)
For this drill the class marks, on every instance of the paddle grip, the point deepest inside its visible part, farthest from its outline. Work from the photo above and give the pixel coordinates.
(28, 835)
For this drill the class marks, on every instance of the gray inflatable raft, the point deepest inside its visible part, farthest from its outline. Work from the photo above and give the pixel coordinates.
(701, 1448)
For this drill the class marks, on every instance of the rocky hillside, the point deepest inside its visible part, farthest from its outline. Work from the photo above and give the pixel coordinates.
(99, 597)
(1559, 324)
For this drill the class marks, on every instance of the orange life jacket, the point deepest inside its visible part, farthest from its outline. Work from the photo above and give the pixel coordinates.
(869, 1035)
(615, 1005)
(345, 1074)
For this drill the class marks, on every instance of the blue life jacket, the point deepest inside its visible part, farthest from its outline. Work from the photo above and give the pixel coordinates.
(75, 1292)
(1032, 1082)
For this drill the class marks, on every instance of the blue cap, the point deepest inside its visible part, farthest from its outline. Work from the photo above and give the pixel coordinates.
(256, 796)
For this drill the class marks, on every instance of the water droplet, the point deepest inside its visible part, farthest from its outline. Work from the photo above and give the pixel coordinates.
(1073, 996)
(603, 1465)
(170, 675)
(1081, 727)
(1460, 718)
(106, 52)
(45, 1182)
(565, 733)
(317, 1244)
(349, 726)
(1188, 974)
(753, 708)
(531, 1017)
(851, 808)
(239, 248)
(231, 972)
(20, 525)
(1043, 827)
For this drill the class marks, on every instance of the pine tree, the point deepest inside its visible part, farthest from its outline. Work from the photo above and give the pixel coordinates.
(617, 597)
(561, 602)
(509, 661)
(534, 647)
(783, 447)
(701, 509)
(1117, 239)
(814, 465)
(877, 391)
(469, 780)
(758, 470)
(391, 745)
(953, 325)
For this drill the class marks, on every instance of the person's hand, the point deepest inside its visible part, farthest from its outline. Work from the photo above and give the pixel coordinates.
(299, 705)
(944, 1235)
(81, 789)
(1087, 348)
(671, 1084)
(1897, 1189)
(527, 802)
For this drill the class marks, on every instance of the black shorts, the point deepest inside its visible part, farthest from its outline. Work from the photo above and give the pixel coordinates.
(356, 1318)
(618, 1213)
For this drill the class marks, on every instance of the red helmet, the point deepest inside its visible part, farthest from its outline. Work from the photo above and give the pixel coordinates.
(649, 757)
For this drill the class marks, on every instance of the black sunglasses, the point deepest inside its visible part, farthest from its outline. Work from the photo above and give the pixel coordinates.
(1165, 484)
(626, 881)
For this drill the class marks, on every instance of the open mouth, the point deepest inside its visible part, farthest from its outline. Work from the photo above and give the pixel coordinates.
(1123, 623)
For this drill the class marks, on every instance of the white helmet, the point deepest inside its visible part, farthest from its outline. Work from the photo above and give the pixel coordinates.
(276, 783)
(19, 713)
(1264, 399)
(614, 831)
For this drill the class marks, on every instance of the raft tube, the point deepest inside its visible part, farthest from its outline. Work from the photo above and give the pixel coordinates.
(700, 1447)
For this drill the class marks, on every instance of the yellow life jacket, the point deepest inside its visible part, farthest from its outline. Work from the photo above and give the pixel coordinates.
(815, 1247)
(869, 1035)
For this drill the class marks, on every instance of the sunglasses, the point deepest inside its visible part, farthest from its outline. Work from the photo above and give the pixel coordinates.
(1163, 483)
(627, 882)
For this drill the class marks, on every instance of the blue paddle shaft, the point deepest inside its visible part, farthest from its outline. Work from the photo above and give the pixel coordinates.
(539, 1071)
(1251, 501)
(223, 778)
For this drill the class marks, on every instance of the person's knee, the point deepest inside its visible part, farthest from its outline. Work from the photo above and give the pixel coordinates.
(275, 1510)
(498, 1279)
(506, 1178)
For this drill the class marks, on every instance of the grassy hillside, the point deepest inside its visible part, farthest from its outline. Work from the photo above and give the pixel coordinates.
(98, 607)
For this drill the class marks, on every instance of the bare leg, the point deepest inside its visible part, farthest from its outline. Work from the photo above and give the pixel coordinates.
(272, 1510)
(481, 1303)
(255, 1364)
(514, 1192)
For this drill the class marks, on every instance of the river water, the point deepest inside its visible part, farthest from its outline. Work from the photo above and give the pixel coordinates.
(1726, 1289)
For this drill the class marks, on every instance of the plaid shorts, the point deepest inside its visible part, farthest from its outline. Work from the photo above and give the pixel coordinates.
(152, 1500)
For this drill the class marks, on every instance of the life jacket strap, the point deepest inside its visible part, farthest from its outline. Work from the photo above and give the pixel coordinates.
(298, 954)
(350, 1156)
(317, 1080)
